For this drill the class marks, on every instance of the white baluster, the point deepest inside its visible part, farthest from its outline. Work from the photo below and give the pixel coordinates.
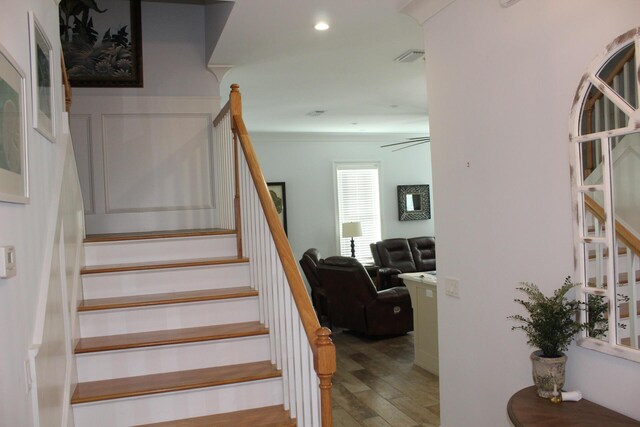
(306, 377)
(632, 265)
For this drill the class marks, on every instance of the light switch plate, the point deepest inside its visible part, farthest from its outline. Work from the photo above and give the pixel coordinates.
(452, 287)
(7, 262)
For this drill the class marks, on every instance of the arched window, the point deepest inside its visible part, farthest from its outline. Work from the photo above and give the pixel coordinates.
(605, 156)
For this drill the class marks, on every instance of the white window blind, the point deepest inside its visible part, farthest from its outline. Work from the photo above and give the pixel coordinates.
(358, 195)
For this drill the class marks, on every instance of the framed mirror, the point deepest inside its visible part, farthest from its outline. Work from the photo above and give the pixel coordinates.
(605, 164)
(413, 202)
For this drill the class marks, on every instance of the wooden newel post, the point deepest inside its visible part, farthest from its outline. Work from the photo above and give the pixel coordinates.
(326, 367)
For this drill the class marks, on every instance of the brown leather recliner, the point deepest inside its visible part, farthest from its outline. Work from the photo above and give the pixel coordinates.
(355, 304)
(309, 264)
(396, 256)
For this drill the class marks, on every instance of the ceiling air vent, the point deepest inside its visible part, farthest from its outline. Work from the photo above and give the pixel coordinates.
(410, 56)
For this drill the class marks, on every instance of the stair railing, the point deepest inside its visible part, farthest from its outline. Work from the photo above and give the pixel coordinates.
(601, 113)
(631, 243)
(299, 346)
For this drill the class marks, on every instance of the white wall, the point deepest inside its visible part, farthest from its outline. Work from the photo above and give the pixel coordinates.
(173, 49)
(501, 83)
(27, 227)
(166, 125)
(305, 163)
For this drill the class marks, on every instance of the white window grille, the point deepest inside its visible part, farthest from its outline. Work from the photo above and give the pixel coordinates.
(358, 199)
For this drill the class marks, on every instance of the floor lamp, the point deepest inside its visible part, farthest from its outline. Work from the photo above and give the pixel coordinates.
(352, 229)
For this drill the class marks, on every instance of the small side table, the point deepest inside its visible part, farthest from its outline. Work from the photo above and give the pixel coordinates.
(526, 408)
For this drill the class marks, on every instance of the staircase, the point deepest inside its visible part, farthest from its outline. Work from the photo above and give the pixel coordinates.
(626, 290)
(171, 335)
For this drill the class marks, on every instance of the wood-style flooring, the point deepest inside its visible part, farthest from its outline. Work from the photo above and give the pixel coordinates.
(377, 384)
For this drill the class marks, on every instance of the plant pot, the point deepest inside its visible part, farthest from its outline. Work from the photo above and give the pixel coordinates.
(547, 372)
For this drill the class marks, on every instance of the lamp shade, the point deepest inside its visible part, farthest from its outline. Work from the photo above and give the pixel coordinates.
(351, 229)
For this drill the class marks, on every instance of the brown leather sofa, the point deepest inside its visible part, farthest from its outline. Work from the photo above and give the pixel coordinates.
(309, 264)
(355, 304)
(396, 256)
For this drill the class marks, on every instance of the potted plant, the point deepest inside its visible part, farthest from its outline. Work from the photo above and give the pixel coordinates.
(551, 326)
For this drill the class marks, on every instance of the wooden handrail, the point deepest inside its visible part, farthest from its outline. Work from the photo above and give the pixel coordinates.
(623, 233)
(66, 84)
(617, 69)
(589, 106)
(324, 356)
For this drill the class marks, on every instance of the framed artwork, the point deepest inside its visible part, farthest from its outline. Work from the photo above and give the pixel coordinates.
(41, 79)
(279, 197)
(14, 185)
(413, 202)
(101, 42)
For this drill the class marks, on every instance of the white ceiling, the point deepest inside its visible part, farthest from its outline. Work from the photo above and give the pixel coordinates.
(286, 69)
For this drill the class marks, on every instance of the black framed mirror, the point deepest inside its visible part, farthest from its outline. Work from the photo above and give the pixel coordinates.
(413, 202)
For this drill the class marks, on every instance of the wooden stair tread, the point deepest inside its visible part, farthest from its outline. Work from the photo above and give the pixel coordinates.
(118, 388)
(624, 309)
(156, 265)
(166, 298)
(169, 337)
(270, 416)
(605, 253)
(116, 237)
(623, 279)
(627, 341)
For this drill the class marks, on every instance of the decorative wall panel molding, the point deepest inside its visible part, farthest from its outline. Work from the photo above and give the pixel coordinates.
(157, 162)
(145, 162)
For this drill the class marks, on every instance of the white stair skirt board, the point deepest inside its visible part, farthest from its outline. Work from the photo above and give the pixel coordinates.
(106, 365)
(177, 248)
(106, 285)
(178, 405)
(168, 316)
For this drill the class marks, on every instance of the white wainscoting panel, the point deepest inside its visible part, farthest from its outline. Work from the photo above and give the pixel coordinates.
(156, 162)
(145, 162)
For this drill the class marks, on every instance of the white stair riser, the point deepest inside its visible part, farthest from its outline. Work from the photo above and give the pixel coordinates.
(171, 406)
(107, 285)
(102, 253)
(168, 316)
(153, 360)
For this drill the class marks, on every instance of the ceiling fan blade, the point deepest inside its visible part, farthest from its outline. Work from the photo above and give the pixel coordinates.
(411, 140)
(396, 143)
(409, 146)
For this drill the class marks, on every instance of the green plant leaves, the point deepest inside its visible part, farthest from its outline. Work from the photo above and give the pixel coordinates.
(552, 322)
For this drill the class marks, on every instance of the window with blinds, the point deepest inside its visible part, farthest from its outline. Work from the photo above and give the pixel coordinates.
(358, 198)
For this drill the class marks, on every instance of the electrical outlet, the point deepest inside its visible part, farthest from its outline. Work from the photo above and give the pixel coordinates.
(452, 287)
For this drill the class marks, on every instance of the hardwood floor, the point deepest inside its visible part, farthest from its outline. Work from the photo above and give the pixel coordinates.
(377, 384)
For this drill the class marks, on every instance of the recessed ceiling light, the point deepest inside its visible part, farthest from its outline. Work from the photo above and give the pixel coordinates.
(321, 26)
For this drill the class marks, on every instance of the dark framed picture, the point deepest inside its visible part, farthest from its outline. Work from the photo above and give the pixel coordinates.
(41, 78)
(413, 202)
(101, 42)
(14, 177)
(279, 196)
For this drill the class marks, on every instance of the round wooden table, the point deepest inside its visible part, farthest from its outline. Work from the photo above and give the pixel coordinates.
(526, 408)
